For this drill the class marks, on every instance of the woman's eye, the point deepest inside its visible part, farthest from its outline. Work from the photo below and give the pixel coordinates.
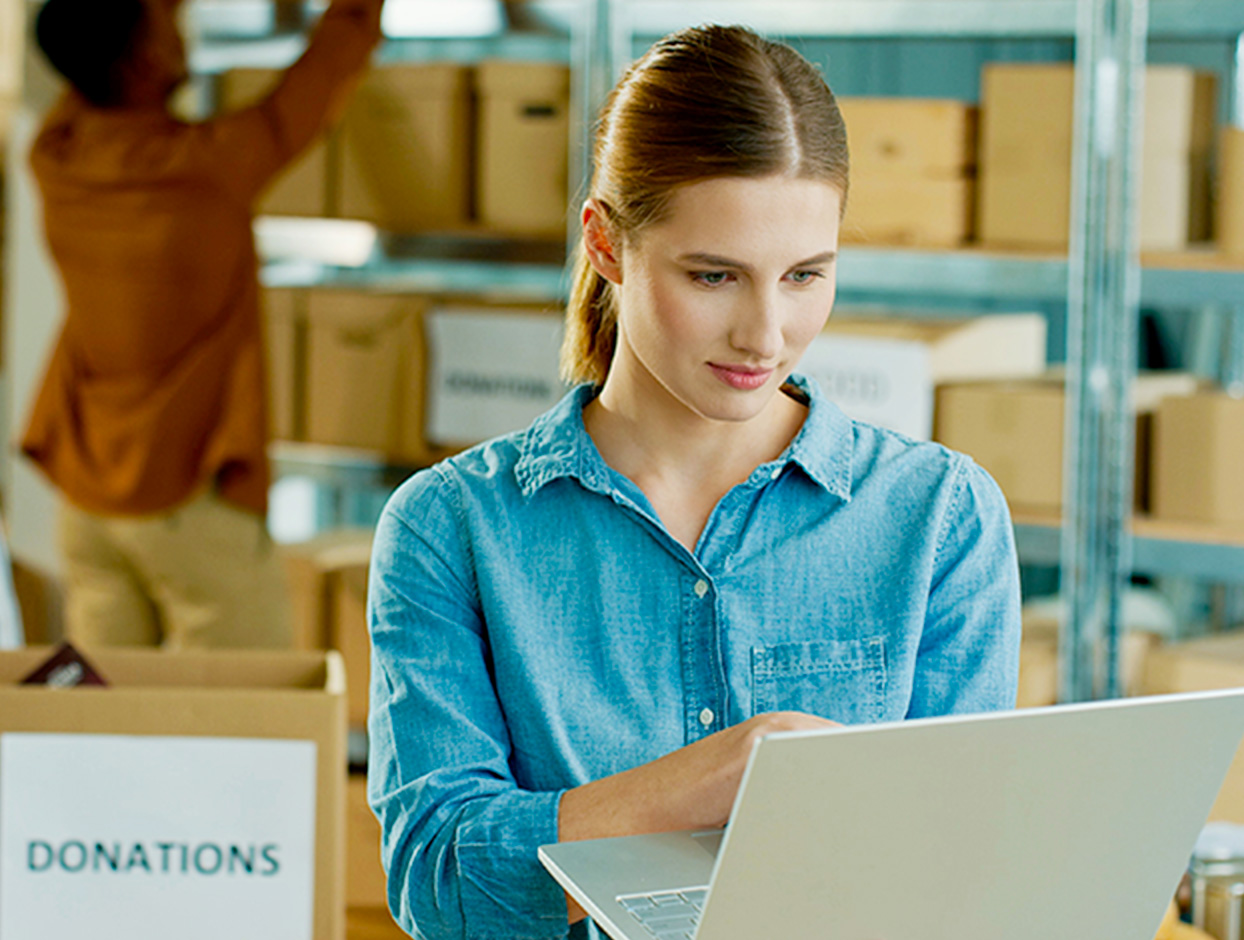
(710, 278)
(805, 277)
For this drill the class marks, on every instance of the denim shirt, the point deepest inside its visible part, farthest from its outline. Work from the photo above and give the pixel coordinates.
(535, 627)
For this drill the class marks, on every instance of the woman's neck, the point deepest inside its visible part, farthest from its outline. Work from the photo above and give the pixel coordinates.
(682, 461)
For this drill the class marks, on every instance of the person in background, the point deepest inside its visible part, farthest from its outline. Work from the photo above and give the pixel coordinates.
(151, 418)
(579, 630)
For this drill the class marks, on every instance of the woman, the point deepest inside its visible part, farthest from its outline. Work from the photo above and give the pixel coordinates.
(579, 630)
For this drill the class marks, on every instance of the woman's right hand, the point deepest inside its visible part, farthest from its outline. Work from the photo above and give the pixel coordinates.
(691, 788)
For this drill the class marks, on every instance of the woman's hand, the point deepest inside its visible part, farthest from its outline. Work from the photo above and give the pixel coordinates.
(691, 788)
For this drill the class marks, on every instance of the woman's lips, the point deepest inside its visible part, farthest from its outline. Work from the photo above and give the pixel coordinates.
(744, 378)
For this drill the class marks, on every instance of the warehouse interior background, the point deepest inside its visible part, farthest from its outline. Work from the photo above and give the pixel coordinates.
(414, 272)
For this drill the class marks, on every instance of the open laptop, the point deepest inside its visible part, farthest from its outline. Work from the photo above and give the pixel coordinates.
(1073, 822)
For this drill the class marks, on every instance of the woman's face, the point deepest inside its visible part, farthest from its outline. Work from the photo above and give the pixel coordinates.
(718, 302)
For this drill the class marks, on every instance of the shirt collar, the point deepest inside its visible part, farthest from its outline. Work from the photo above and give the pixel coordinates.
(557, 445)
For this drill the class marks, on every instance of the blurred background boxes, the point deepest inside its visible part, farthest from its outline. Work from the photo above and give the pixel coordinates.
(1025, 156)
(912, 171)
(490, 370)
(221, 694)
(1014, 429)
(365, 879)
(285, 338)
(1212, 662)
(522, 145)
(304, 189)
(1198, 459)
(1230, 202)
(883, 369)
(364, 375)
(328, 590)
(406, 151)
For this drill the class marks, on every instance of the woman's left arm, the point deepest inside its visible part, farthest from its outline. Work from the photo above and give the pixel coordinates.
(968, 657)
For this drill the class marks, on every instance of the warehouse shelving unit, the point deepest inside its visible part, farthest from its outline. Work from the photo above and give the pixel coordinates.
(1097, 544)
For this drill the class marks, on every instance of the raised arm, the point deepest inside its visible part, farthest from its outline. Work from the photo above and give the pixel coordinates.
(253, 145)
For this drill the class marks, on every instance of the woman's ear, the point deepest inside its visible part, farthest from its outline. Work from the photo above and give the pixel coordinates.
(598, 241)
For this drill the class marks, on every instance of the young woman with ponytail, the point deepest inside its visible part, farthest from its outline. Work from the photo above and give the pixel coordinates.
(580, 629)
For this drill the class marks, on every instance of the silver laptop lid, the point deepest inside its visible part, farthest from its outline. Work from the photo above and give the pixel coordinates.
(1072, 821)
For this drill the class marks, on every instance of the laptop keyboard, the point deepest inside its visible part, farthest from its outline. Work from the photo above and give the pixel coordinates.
(667, 915)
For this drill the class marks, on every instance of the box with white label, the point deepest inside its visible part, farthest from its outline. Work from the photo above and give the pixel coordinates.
(490, 370)
(198, 795)
(883, 370)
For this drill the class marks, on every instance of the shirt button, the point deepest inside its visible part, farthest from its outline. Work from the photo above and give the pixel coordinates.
(701, 588)
(707, 717)
(777, 472)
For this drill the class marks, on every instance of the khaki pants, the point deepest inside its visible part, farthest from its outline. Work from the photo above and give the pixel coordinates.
(203, 575)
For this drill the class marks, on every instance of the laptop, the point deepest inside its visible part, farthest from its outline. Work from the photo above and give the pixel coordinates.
(1072, 822)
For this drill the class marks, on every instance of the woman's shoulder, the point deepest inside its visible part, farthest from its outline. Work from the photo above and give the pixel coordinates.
(484, 466)
(889, 454)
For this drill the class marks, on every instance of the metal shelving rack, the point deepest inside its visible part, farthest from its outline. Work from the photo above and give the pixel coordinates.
(1101, 280)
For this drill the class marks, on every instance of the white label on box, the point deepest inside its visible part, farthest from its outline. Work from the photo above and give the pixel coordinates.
(490, 373)
(880, 381)
(141, 837)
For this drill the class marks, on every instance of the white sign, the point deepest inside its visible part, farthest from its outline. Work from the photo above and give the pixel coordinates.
(491, 373)
(146, 838)
(881, 381)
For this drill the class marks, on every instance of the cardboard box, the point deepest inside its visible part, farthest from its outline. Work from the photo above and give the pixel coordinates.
(1230, 203)
(909, 136)
(912, 168)
(1198, 459)
(351, 637)
(883, 370)
(365, 878)
(406, 149)
(900, 210)
(523, 144)
(364, 381)
(162, 702)
(1214, 662)
(310, 566)
(328, 583)
(285, 342)
(305, 187)
(1014, 429)
(491, 370)
(1027, 123)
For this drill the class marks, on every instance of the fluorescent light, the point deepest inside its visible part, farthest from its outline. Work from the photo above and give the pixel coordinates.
(442, 19)
(339, 242)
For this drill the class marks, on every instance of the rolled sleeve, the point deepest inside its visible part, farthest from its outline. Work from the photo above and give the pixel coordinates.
(460, 836)
(968, 659)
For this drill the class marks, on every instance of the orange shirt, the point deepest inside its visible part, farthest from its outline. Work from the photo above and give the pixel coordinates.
(156, 384)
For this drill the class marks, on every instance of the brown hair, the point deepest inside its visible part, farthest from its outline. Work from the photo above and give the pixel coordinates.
(706, 102)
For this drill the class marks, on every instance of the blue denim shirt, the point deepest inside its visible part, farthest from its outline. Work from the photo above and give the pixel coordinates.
(535, 627)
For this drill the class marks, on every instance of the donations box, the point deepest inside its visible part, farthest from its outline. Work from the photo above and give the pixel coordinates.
(490, 371)
(194, 795)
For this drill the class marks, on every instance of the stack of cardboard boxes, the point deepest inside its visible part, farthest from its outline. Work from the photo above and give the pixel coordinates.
(434, 147)
(913, 165)
(1027, 120)
(403, 376)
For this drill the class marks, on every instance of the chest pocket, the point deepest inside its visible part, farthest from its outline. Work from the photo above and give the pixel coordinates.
(842, 680)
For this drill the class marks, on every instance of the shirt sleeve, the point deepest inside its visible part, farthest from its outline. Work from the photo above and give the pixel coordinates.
(249, 147)
(968, 658)
(460, 837)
